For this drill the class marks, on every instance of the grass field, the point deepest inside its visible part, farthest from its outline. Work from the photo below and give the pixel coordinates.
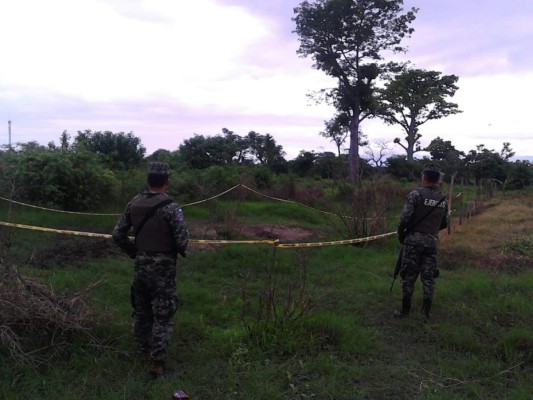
(329, 333)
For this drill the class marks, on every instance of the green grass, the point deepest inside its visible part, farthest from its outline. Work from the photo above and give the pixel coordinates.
(478, 344)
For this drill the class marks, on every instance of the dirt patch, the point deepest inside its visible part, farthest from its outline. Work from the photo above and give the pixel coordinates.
(255, 232)
(283, 233)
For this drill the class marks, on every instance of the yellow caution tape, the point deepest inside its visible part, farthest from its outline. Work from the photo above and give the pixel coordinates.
(274, 242)
(55, 210)
(112, 214)
(189, 204)
(286, 201)
(107, 236)
(204, 241)
(61, 231)
(211, 198)
(335, 243)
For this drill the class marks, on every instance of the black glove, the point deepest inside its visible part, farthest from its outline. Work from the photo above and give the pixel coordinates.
(131, 250)
(402, 233)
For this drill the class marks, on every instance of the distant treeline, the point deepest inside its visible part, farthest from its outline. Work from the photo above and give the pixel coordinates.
(98, 170)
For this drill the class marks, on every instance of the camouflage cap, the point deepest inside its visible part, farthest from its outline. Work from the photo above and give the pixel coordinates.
(158, 168)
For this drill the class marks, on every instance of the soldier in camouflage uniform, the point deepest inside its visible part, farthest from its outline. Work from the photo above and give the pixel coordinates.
(424, 214)
(160, 234)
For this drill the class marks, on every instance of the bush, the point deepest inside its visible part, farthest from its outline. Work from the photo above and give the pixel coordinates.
(74, 181)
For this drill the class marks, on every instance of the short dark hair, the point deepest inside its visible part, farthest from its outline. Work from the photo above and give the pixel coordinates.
(157, 180)
(432, 176)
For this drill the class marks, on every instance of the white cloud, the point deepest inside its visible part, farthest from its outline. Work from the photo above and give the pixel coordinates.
(87, 48)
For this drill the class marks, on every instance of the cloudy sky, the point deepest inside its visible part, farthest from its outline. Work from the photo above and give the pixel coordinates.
(168, 69)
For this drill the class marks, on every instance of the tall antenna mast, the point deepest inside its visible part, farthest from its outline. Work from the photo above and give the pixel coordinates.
(9, 130)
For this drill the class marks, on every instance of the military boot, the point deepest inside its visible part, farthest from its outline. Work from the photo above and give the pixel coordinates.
(406, 308)
(146, 354)
(426, 307)
(158, 370)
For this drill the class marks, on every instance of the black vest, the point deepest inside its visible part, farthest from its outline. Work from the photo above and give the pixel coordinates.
(156, 235)
(429, 223)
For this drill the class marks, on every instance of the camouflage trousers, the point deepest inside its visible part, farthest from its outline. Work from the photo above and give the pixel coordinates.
(418, 260)
(154, 302)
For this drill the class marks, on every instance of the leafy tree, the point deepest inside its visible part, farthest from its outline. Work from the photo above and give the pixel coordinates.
(337, 129)
(346, 39)
(119, 151)
(200, 152)
(506, 152)
(327, 166)
(448, 156)
(160, 155)
(264, 149)
(64, 141)
(399, 167)
(303, 164)
(521, 174)
(240, 144)
(413, 98)
(483, 164)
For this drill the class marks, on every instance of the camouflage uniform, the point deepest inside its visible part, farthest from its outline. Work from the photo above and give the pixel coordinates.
(155, 249)
(423, 216)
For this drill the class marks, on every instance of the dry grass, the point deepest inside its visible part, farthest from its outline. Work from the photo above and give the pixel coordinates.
(500, 237)
(36, 324)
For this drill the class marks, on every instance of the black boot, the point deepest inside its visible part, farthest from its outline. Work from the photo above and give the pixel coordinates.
(158, 370)
(406, 308)
(426, 306)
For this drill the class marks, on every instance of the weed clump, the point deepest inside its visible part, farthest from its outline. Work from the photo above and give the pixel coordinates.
(37, 325)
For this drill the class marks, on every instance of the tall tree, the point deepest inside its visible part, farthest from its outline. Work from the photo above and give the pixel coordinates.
(415, 97)
(346, 39)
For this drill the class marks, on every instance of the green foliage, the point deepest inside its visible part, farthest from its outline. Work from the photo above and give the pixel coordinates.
(118, 151)
(303, 164)
(346, 40)
(477, 344)
(68, 180)
(262, 178)
(400, 167)
(201, 152)
(414, 97)
(521, 175)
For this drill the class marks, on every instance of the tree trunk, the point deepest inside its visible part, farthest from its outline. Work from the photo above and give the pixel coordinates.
(353, 155)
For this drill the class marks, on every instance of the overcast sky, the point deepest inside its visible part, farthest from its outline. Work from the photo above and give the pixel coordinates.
(167, 69)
